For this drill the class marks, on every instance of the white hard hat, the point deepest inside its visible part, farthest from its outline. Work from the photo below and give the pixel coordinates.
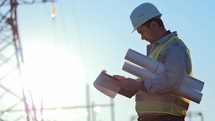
(143, 13)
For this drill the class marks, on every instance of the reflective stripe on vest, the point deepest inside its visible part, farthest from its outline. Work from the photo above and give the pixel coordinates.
(162, 103)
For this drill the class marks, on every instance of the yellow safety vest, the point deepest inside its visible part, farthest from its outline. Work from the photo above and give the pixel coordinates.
(167, 103)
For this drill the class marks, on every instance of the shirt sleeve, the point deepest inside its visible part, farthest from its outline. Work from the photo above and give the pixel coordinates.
(174, 60)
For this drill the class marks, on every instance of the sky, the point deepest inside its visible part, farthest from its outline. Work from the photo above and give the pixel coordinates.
(66, 53)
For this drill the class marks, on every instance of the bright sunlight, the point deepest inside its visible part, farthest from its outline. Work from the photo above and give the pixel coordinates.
(53, 75)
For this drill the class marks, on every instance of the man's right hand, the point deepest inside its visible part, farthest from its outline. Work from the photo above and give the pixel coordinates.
(119, 77)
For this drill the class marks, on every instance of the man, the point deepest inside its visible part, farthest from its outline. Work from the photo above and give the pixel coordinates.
(154, 100)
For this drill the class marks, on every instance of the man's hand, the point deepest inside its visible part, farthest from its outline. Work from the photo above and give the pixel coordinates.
(119, 77)
(128, 84)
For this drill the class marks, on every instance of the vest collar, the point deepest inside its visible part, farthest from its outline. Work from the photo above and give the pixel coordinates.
(166, 37)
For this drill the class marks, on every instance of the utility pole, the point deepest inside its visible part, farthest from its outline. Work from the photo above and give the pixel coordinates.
(11, 62)
(91, 107)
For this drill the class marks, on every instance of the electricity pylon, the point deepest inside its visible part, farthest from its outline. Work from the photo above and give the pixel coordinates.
(14, 98)
(13, 101)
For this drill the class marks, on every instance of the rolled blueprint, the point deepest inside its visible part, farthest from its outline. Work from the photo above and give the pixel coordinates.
(137, 71)
(183, 90)
(144, 61)
(158, 68)
(106, 84)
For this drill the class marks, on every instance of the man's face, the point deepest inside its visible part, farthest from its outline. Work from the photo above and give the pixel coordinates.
(146, 33)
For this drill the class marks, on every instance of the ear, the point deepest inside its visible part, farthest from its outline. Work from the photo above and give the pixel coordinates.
(154, 24)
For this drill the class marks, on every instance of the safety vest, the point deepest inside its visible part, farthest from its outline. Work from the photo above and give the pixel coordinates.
(167, 103)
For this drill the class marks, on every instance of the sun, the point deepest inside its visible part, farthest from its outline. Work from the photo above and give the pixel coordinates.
(53, 75)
